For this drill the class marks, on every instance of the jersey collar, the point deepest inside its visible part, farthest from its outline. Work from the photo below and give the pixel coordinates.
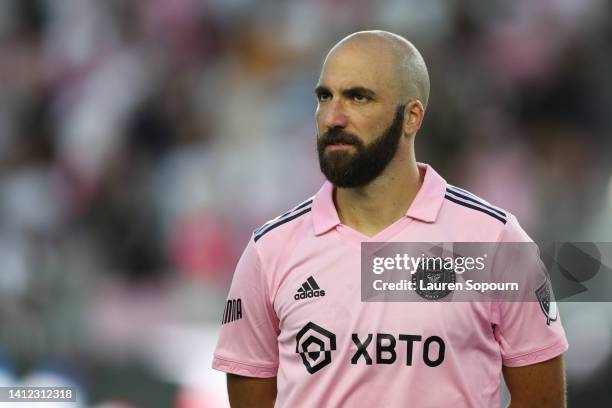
(425, 206)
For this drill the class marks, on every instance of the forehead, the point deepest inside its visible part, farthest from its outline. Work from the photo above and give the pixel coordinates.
(359, 65)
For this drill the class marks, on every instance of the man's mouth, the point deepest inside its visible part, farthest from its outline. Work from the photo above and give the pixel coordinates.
(338, 147)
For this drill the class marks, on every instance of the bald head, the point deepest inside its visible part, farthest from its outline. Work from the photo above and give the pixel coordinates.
(408, 73)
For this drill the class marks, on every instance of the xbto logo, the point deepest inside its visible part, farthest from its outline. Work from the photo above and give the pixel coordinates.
(433, 349)
(315, 344)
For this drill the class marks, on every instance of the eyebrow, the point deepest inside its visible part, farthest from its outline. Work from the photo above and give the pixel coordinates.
(355, 90)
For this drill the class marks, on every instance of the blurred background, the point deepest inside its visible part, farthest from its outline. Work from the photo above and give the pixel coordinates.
(141, 142)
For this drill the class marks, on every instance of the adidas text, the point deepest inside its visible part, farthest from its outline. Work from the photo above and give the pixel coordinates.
(309, 294)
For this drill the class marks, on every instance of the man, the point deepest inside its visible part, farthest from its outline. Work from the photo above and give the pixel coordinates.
(295, 331)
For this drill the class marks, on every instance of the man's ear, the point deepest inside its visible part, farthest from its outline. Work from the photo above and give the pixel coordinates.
(413, 116)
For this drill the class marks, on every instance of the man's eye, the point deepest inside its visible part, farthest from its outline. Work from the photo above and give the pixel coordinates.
(360, 98)
(323, 96)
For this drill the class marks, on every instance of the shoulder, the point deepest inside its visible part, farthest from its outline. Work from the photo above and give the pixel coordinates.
(285, 223)
(474, 218)
(465, 202)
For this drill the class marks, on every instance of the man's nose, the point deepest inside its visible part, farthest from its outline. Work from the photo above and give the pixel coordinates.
(335, 115)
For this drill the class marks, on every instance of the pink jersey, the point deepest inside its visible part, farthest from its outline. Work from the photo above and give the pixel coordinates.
(294, 311)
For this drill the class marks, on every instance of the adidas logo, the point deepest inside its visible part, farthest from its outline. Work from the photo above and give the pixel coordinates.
(309, 289)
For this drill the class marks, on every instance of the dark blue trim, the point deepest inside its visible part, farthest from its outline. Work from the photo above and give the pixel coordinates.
(473, 207)
(279, 223)
(267, 224)
(480, 202)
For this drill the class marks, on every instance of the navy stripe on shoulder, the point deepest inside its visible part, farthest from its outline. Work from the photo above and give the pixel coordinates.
(466, 195)
(304, 204)
(272, 221)
(263, 231)
(462, 190)
(476, 207)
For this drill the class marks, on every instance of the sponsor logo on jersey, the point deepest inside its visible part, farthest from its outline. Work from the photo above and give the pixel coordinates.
(232, 311)
(546, 298)
(315, 344)
(387, 347)
(309, 289)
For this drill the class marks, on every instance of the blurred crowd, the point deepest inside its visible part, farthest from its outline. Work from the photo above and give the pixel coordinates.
(141, 142)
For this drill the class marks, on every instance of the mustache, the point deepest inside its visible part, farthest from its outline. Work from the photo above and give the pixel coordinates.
(339, 136)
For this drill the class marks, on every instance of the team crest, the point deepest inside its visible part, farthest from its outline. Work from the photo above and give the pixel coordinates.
(546, 298)
(431, 283)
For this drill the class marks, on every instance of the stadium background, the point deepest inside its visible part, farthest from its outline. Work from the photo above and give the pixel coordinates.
(142, 141)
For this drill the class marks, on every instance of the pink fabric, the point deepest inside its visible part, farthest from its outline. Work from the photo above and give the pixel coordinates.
(478, 338)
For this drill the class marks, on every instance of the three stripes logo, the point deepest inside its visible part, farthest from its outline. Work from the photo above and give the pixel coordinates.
(469, 200)
(290, 215)
(309, 289)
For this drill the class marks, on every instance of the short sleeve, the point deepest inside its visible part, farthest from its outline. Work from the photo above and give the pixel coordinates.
(528, 331)
(247, 343)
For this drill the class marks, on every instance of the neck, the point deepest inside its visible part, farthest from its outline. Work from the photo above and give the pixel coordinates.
(372, 208)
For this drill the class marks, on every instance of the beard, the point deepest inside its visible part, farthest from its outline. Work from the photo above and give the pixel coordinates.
(349, 170)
